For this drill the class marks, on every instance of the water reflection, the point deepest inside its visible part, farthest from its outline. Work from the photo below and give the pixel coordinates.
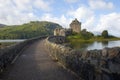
(104, 43)
(15, 40)
(95, 45)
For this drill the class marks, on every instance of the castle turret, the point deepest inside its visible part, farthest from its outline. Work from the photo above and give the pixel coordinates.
(75, 26)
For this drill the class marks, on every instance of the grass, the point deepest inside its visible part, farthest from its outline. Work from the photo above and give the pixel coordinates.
(76, 38)
(5, 44)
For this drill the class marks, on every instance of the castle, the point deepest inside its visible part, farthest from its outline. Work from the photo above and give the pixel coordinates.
(75, 26)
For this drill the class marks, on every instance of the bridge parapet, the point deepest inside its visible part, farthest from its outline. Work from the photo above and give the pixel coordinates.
(57, 39)
(9, 54)
(90, 65)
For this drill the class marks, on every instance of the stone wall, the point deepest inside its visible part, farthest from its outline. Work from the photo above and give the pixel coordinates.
(8, 54)
(90, 65)
(62, 32)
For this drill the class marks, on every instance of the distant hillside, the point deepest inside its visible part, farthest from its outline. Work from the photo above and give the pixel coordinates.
(2, 25)
(28, 30)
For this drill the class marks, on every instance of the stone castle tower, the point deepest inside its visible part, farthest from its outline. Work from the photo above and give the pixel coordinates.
(75, 26)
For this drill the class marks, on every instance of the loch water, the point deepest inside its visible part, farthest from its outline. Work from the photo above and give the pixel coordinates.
(12, 40)
(96, 45)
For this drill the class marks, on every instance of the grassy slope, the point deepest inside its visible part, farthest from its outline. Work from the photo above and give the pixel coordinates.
(5, 44)
(28, 30)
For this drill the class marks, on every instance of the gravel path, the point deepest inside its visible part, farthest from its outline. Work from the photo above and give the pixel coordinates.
(35, 64)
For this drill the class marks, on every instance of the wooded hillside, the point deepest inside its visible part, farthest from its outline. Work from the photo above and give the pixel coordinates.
(28, 30)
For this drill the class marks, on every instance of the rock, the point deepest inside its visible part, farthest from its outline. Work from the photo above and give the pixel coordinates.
(105, 52)
(85, 54)
(114, 67)
(113, 52)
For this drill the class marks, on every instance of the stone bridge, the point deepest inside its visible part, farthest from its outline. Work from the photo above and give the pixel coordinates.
(29, 60)
(45, 58)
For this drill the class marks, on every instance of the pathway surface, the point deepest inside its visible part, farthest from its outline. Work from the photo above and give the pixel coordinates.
(36, 64)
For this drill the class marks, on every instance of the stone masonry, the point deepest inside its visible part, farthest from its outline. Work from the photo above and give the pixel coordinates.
(89, 65)
(59, 32)
(62, 32)
(76, 26)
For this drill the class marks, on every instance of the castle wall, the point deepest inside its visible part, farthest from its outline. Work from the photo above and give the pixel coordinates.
(59, 32)
(75, 26)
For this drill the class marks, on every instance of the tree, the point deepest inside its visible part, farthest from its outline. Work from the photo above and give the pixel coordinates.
(86, 35)
(105, 34)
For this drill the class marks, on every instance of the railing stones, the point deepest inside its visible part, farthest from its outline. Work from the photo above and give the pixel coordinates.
(90, 65)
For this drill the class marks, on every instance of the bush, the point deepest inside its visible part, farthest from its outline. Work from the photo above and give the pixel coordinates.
(86, 35)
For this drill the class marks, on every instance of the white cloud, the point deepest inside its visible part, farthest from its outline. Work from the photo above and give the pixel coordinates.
(62, 20)
(100, 4)
(85, 15)
(81, 13)
(20, 11)
(16, 17)
(110, 22)
(71, 1)
(42, 4)
(89, 24)
(22, 4)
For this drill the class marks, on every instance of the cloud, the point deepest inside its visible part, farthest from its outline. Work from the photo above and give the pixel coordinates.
(16, 17)
(85, 15)
(81, 13)
(42, 4)
(62, 20)
(89, 24)
(110, 22)
(21, 11)
(100, 4)
(71, 1)
(22, 4)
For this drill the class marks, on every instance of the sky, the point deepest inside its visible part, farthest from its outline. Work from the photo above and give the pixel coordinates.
(95, 15)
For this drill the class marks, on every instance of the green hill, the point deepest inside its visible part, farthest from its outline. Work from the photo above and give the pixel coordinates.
(28, 30)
